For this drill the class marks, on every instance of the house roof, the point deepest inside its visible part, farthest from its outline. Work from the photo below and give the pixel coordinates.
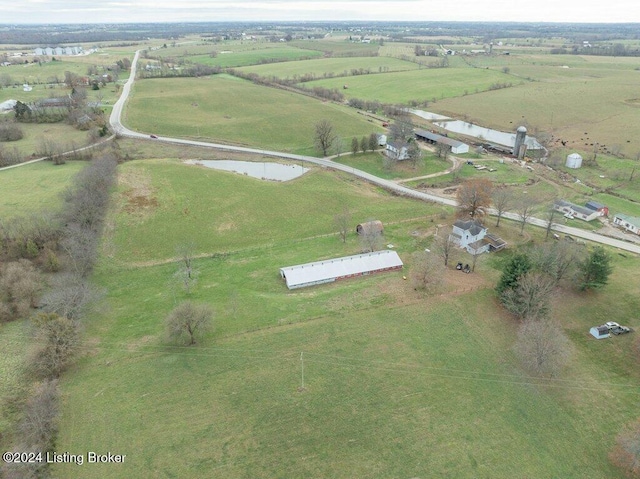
(494, 241)
(632, 220)
(578, 209)
(594, 205)
(328, 270)
(473, 227)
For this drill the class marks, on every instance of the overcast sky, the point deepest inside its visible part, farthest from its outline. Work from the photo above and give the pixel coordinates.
(125, 11)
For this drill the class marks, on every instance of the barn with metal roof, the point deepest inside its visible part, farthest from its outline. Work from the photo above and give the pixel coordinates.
(330, 270)
(457, 147)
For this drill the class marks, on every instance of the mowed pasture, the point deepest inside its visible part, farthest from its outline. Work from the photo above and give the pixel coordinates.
(331, 67)
(153, 198)
(34, 188)
(232, 110)
(396, 384)
(592, 101)
(229, 58)
(428, 84)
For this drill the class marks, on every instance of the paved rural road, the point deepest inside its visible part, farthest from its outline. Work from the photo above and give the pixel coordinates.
(120, 129)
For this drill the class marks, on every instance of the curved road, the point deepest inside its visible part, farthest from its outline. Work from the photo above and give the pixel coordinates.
(120, 129)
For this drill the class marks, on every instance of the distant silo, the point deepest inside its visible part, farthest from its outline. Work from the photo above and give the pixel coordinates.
(520, 146)
(574, 160)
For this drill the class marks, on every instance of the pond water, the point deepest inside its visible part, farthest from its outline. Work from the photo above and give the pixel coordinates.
(469, 129)
(260, 170)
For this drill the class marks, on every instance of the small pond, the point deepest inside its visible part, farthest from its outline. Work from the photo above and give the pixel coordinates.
(260, 170)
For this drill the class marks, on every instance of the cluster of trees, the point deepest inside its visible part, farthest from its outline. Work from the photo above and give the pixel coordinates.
(46, 261)
(74, 109)
(9, 131)
(529, 281)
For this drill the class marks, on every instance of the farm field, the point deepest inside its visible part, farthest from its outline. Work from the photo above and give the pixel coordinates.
(420, 85)
(228, 109)
(331, 66)
(258, 55)
(46, 181)
(397, 384)
(563, 106)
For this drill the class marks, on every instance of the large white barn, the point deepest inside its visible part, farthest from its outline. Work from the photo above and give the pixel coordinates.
(329, 270)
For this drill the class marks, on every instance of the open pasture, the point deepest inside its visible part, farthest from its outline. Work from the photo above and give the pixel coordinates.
(598, 110)
(152, 199)
(397, 384)
(338, 47)
(331, 66)
(257, 55)
(427, 84)
(36, 187)
(37, 134)
(228, 109)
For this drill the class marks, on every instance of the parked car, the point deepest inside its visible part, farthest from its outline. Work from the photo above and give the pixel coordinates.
(611, 325)
(620, 330)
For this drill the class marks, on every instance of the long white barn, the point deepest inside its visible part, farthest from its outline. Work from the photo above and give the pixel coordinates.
(330, 270)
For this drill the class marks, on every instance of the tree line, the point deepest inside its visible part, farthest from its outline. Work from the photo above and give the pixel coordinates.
(46, 262)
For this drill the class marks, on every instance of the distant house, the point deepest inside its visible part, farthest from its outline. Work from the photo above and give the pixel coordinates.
(630, 223)
(599, 207)
(575, 211)
(600, 332)
(397, 151)
(457, 147)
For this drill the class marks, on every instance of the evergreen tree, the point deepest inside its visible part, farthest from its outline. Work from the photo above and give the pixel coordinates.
(595, 269)
(517, 266)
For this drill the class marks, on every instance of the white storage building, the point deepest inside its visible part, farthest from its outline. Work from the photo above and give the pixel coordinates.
(329, 270)
(574, 161)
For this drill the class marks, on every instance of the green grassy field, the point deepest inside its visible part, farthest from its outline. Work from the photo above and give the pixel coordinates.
(331, 66)
(35, 187)
(426, 84)
(228, 109)
(374, 163)
(229, 58)
(564, 102)
(397, 384)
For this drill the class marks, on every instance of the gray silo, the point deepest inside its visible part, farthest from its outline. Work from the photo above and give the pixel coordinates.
(520, 146)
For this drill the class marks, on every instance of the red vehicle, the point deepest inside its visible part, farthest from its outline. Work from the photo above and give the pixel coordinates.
(385, 124)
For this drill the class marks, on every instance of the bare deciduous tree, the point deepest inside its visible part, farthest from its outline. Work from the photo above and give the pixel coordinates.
(343, 223)
(57, 340)
(20, 285)
(474, 197)
(559, 259)
(531, 299)
(401, 130)
(186, 273)
(324, 136)
(524, 207)
(427, 272)
(188, 320)
(502, 201)
(69, 296)
(443, 247)
(371, 240)
(542, 347)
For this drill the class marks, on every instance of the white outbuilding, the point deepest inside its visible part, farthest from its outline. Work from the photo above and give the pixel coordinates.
(600, 332)
(330, 270)
(574, 161)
